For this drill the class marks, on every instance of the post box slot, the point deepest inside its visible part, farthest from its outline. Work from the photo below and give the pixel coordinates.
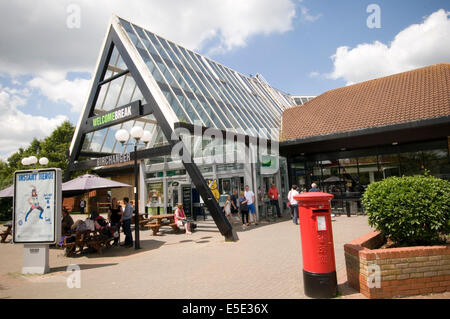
(320, 211)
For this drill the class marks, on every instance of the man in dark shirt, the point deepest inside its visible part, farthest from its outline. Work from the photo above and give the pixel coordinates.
(66, 222)
(234, 206)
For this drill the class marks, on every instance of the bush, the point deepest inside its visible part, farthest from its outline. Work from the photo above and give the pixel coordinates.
(410, 210)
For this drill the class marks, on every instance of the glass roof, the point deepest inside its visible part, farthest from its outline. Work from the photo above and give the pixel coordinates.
(200, 90)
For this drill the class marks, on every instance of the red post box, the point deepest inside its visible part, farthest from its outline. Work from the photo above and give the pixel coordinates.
(319, 266)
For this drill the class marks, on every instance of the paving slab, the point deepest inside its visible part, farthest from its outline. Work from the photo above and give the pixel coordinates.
(265, 262)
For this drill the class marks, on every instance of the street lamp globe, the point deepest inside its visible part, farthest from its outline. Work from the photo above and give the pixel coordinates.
(24, 161)
(122, 135)
(32, 159)
(137, 132)
(146, 136)
(43, 161)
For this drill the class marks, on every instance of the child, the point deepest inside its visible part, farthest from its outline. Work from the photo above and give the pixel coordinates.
(227, 209)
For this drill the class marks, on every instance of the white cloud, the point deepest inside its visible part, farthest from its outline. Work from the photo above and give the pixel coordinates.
(306, 16)
(17, 129)
(58, 89)
(38, 40)
(416, 46)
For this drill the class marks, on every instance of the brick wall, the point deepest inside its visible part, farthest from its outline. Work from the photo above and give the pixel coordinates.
(396, 272)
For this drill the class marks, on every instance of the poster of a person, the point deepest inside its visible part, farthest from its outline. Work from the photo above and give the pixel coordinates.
(34, 206)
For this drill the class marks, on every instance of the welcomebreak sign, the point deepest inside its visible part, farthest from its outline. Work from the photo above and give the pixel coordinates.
(115, 116)
(37, 206)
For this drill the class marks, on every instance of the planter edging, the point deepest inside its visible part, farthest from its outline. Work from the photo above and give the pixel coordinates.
(396, 272)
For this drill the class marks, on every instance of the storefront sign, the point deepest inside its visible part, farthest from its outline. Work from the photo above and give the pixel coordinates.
(269, 164)
(114, 159)
(37, 206)
(115, 116)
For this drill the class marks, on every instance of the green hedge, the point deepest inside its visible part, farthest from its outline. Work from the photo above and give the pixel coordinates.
(410, 210)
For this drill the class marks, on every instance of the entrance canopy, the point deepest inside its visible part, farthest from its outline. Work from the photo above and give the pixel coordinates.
(145, 80)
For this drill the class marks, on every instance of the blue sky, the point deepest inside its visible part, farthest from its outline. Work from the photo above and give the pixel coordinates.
(287, 60)
(45, 66)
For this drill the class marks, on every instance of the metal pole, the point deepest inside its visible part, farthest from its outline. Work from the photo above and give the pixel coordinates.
(136, 201)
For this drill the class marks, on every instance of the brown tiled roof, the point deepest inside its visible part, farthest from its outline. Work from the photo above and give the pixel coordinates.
(405, 97)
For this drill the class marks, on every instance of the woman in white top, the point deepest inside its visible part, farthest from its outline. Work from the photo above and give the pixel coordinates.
(227, 209)
(293, 204)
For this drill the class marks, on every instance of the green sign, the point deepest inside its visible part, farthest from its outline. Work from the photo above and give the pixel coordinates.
(115, 116)
(112, 116)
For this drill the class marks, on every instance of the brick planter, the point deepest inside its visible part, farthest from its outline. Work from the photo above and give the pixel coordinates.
(404, 271)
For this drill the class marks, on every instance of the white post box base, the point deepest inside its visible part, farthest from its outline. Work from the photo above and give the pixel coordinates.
(35, 259)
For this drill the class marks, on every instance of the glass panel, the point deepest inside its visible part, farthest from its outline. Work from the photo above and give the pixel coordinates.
(87, 141)
(437, 162)
(368, 170)
(411, 163)
(113, 93)
(127, 91)
(389, 165)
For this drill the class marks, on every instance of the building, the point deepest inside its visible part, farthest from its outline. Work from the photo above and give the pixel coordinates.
(187, 100)
(346, 138)
(302, 99)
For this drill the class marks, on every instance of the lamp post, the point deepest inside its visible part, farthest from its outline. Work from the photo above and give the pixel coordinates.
(123, 136)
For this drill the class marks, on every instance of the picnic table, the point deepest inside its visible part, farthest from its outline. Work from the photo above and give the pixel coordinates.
(157, 221)
(7, 232)
(87, 239)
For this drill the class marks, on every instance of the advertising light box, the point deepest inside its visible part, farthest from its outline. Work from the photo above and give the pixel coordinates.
(37, 206)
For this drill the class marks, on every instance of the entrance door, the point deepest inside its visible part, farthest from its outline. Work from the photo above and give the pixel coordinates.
(186, 195)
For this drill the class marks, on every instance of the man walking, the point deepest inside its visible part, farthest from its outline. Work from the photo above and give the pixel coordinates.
(293, 204)
(250, 197)
(126, 223)
(273, 195)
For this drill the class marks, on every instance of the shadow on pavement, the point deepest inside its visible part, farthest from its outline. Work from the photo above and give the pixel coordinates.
(145, 244)
(346, 291)
(82, 267)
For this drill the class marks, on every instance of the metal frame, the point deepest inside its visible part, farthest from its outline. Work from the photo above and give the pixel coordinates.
(122, 43)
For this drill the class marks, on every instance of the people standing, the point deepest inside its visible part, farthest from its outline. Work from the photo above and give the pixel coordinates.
(126, 223)
(314, 188)
(273, 195)
(227, 209)
(250, 197)
(243, 208)
(234, 204)
(180, 219)
(293, 204)
(114, 215)
(66, 223)
(82, 206)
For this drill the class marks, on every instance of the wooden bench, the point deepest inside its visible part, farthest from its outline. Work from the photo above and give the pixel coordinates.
(99, 241)
(156, 226)
(6, 233)
(80, 242)
(87, 239)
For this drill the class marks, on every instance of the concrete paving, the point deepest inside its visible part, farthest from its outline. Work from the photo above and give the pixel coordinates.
(266, 262)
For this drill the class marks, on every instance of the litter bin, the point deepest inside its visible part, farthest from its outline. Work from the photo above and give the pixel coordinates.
(319, 266)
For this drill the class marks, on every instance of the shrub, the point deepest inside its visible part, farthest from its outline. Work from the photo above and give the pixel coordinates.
(410, 210)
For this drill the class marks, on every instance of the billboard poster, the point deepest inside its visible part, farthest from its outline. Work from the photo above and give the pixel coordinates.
(37, 206)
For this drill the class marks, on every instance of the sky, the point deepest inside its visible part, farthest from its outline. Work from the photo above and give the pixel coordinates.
(49, 48)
